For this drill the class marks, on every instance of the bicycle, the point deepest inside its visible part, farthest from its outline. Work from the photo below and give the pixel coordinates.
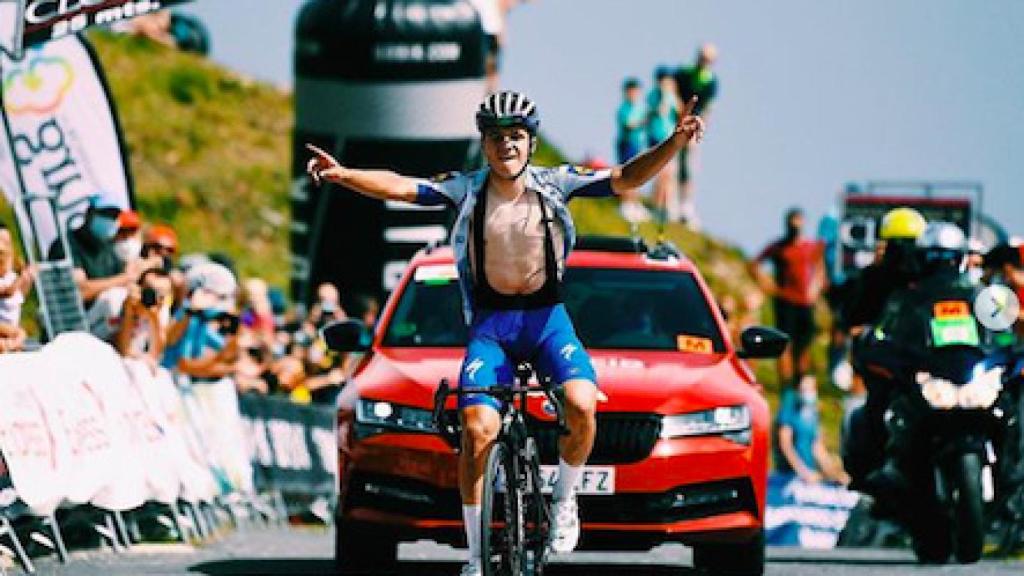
(519, 547)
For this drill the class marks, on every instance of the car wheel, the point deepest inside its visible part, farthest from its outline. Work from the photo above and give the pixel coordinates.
(732, 559)
(362, 549)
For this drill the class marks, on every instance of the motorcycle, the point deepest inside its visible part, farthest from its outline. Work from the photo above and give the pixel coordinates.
(943, 408)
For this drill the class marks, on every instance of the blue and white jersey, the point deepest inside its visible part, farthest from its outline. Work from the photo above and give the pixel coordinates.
(556, 187)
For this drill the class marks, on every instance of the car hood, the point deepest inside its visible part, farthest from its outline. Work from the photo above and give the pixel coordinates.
(633, 381)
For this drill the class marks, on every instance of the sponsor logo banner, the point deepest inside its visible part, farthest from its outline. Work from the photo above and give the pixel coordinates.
(29, 22)
(64, 136)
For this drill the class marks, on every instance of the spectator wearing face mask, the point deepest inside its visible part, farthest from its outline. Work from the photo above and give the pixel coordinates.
(128, 240)
(802, 449)
(102, 277)
(201, 341)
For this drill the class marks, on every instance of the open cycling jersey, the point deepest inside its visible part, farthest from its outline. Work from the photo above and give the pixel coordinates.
(555, 186)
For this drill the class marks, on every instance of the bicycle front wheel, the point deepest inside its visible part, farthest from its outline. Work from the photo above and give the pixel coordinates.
(501, 516)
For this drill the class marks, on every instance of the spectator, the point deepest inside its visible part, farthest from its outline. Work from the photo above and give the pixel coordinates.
(829, 236)
(631, 122)
(324, 374)
(201, 342)
(799, 280)
(700, 81)
(15, 283)
(492, 20)
(290, 369)
(172, 29)
(802, 448)
(128, 240)
(253, 367)
(257, 314)
(1005, 265)
(102, 277)
(662, 115)
(327, 307)
(144, 323)
(367, 309)
(12, 338)
(161, 240)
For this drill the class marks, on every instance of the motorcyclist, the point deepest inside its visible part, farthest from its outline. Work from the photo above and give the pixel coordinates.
(511, 237)
(896, 267)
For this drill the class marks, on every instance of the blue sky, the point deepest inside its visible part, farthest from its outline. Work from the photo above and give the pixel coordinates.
(812, 94)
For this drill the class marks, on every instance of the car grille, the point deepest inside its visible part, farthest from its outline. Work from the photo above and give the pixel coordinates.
(621, 438)
(419, 499)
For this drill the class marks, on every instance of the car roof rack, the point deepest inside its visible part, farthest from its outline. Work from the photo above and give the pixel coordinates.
(664, 250)
(433, 245)
(621, 244)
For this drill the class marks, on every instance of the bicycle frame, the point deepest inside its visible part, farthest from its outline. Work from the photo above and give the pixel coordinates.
(522, 465)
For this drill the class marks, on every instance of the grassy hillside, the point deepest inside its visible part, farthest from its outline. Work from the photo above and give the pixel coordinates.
(209, 151)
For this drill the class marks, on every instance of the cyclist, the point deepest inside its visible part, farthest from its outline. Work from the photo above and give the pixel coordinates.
(511, 238)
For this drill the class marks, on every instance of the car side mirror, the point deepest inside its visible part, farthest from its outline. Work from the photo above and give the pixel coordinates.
(762, 342)
(347, 336)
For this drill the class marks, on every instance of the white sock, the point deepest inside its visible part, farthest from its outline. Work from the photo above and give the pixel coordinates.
(471, 517)
(565, 487)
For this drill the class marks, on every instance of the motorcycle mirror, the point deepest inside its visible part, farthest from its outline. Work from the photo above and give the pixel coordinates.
(346, 336)
(762, 342)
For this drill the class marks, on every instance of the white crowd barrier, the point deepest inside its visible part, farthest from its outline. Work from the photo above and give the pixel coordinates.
(81, 425)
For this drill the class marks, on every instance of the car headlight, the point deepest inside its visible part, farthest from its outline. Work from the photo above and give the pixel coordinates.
(395, 416)
(981, 392)
(726, 420)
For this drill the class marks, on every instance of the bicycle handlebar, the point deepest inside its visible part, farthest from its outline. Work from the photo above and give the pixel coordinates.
(505, 393)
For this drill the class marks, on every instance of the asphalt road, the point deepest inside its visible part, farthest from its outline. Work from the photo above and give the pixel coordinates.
(307, 552)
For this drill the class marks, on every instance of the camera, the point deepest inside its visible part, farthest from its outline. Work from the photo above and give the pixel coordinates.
(149, 297)
(227, 323)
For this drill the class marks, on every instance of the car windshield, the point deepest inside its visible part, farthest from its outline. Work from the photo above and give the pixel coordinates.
(611, 308)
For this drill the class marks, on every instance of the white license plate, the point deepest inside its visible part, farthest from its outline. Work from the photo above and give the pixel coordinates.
(595, 480)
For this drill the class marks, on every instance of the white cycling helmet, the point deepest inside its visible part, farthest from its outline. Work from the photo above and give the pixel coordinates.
(505, 109)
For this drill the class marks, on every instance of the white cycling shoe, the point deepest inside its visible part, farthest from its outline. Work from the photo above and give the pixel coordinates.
(565, 530)
(471, 569)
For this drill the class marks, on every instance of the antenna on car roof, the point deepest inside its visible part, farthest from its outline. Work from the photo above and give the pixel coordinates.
(431, 246)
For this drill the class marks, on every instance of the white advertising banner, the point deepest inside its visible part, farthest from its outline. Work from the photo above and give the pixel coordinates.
(26, 439)
(90, 402)
(64, 134)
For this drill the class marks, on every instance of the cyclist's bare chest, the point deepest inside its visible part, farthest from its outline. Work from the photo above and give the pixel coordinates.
(514, 242)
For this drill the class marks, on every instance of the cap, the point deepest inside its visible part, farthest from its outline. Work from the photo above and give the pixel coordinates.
(129, 220)
(213, 277)
(163, 235)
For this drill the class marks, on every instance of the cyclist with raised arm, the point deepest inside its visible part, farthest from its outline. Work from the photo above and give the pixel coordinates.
(511, 239)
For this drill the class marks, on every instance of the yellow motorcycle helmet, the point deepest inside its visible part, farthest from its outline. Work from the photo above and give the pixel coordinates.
(902, 224)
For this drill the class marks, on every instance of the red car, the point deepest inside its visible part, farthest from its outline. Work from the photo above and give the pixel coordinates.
(682, 440)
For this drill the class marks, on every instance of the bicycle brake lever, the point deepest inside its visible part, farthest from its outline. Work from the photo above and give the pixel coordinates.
(563, 430)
